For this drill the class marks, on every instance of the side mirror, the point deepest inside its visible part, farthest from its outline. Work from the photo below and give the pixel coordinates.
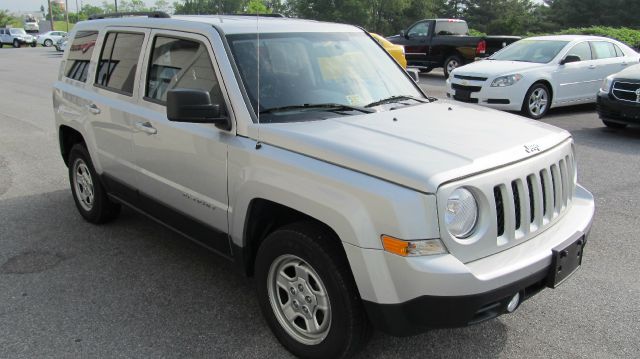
(414, 74)
(569, 59)
(189, 105)
(404, 34)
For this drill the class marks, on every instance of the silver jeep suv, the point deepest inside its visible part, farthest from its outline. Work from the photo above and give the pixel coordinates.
(305, 154)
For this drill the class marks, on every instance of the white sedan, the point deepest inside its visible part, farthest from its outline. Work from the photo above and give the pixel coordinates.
(49, 38)
(538, 73)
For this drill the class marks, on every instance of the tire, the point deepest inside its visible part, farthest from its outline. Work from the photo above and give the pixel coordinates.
(614, 124)
(33, 44)
(307, 250)
(426, 70)
(16, 43)
(88, 193)
(451, 63)
(48, 43)
(536, 101)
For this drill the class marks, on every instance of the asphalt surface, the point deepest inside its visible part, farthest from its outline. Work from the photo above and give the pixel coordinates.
(135, 289)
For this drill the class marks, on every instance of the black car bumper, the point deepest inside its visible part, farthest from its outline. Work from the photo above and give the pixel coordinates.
(613, 110)
(431, 312)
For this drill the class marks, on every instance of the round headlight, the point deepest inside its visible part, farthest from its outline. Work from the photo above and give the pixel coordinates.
(461, 213)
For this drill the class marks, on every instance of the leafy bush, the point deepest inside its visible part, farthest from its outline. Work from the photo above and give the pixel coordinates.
(474, 32)
(623, 34)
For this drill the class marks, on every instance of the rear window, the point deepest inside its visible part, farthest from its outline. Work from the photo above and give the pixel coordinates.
(451, 28)
(80, 52)
(119, 61)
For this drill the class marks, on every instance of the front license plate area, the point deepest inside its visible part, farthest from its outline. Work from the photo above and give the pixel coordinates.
(463, 95)
(565, 260)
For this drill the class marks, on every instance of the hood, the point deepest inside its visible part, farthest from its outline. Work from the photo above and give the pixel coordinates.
(425, 146)
(631, 73)
(492, 68)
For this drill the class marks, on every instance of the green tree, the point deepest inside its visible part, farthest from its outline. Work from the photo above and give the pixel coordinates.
(88, 10)
(256, 7)
(6, 18)
(162, 5)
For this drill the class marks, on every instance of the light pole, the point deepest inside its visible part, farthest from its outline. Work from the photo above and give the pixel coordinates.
(116, 5)
(66, 13)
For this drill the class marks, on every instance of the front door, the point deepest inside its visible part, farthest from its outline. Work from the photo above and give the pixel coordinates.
(574, 80)
(182, 166)
(417, 45)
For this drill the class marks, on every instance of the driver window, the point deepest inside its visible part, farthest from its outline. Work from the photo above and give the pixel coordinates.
(420, 30)
(180, 63)
(582, 50)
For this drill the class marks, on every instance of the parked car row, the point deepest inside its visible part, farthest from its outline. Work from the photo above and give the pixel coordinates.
(17, 37)
(539, 73)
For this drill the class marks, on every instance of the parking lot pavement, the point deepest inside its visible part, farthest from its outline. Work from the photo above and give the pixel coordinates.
(134, 289)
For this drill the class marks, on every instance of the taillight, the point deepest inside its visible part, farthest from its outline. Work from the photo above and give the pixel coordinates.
(481, 48)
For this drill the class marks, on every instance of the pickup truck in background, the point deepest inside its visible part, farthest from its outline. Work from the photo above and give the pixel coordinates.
(446, 43)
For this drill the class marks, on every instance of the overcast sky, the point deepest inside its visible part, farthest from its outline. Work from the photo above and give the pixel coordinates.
(33, 5)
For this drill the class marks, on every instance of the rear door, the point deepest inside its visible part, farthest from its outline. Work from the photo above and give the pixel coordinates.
(183, 166)
(608, 60)
(115, 106)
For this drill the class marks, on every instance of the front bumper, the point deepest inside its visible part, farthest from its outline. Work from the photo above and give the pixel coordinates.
(405, 296)
(618, 111)
(502, 98)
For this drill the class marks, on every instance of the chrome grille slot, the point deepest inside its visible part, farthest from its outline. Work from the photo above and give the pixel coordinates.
(524, 205)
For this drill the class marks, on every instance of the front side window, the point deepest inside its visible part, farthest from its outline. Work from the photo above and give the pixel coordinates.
(307, 70)
(603, 50)
(582, 50)
(119, 61)
(80, 52)
(420, 30)
(537, 51)
(180, 63)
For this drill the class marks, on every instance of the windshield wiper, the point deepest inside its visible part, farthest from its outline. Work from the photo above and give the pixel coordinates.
(393, 99)
(318, 106)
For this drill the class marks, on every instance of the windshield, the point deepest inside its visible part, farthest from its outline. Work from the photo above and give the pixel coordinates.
(304, 72)
(17, 31)
(539, 51)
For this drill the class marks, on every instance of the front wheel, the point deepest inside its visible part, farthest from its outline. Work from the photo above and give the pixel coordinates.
(16, 43)
(33, 44)
(451, 63)
(307, 293)
(536, 101)
(48, 43)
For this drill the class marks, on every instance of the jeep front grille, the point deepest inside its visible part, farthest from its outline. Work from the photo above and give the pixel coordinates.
(525, 205)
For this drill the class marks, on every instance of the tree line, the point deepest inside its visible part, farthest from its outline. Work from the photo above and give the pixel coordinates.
(506, 17)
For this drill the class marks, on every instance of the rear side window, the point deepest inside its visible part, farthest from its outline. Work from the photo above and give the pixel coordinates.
(80, 52)
(451, 28)
(582, 50)
(118, 61)
(180, 63)
(603, 50)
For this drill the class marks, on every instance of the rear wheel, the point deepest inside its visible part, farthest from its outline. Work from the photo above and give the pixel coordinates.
(452, 63)
(614, 124)
(90, 197)
(537, 101)
(307, 293)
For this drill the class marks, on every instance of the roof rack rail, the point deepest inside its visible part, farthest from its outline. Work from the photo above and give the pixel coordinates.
(154, 14)
(259, 14)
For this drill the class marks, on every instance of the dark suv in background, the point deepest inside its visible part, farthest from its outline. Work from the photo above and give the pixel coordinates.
(619, 98)
(446, 43)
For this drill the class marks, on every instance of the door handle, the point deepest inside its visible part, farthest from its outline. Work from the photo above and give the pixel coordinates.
(146, 128)
(93, 109)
